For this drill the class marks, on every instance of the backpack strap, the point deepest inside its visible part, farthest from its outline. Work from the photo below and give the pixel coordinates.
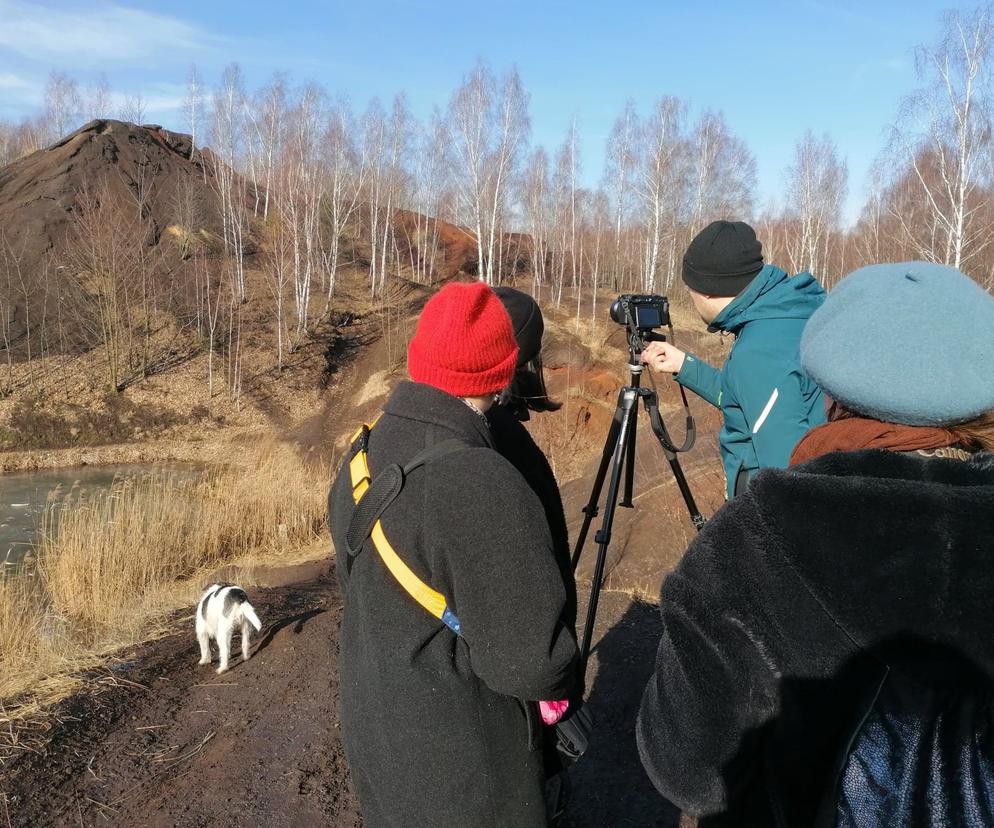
(372, 498)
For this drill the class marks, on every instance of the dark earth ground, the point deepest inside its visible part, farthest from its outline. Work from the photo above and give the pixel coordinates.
(163, 742)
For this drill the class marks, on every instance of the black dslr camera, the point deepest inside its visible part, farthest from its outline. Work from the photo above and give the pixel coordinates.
(642, 312)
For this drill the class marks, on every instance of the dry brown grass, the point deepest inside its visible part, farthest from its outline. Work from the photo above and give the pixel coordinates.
(110, 566)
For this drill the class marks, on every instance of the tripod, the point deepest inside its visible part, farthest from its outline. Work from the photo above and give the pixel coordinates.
(619, 456)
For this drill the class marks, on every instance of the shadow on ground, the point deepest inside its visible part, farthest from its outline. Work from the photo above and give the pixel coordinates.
(610, 787)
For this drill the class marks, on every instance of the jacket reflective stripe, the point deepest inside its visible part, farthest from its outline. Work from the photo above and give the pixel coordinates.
(766, 411)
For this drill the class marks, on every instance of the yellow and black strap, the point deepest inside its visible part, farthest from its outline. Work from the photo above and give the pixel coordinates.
(372, 497)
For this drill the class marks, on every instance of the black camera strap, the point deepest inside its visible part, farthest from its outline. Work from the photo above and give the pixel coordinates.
(656, 419)
(659, 425)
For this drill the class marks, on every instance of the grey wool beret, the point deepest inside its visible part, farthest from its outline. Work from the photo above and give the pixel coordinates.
(909, 343)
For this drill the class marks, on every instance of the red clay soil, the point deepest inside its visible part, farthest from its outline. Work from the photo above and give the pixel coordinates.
(168, 743)
(456, 251)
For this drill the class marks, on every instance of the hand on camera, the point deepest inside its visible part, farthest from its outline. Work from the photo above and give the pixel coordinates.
(663, 358)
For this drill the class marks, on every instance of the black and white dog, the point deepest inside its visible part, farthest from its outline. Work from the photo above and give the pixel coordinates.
(222, 608)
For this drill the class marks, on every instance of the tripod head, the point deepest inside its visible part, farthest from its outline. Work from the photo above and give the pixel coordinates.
(642, 315)
(637, 340)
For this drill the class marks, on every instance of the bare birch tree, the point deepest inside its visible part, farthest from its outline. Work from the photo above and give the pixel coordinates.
(429, 182)
(63, 104)
(193, 105)
(133, 110)
(227, 135)
(947, 124)
(816, 188)
(279, 272)
(490, 127)
(98, 102)
(724, 173)
(299, 193)
(103, 250)
(396, 147)
(538, 213)
(619, 168)
(660, 184)
(266, 116)
(344, 177)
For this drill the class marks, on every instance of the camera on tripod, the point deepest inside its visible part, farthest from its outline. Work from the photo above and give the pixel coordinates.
(641, 314)
(644, 312)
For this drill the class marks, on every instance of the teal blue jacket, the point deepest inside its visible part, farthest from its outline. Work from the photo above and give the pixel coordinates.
(767, 401)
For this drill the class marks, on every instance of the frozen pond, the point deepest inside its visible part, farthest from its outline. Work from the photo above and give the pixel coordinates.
(23, 496)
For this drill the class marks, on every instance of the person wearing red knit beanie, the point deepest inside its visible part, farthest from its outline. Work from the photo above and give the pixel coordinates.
(441, 726)
(464, 344)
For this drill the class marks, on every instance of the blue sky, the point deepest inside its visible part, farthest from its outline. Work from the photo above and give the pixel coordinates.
(774, 68)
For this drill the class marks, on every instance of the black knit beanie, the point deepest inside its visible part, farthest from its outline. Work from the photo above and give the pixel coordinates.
(526, 319)
(722, 259)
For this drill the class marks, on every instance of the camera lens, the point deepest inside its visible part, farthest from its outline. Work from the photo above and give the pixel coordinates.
(618, 312)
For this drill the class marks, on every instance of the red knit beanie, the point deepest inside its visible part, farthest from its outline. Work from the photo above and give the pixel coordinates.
(464, 343)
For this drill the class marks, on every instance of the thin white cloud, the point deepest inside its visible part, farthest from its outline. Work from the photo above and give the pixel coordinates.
(17, 95)
(157, 99)
(165, 97)
(894, 64)
(106, 32)
(9, 81)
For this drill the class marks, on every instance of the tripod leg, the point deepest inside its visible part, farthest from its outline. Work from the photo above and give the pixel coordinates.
(626, 500)
(590, 510)
(628, 399)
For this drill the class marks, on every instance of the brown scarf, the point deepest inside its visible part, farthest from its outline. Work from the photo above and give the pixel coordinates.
(854, 433)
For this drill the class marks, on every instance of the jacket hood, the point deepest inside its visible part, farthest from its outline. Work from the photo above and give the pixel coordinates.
(772, 294)
(892, 545)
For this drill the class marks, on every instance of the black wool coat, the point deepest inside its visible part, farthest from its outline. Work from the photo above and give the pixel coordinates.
(432, 723)
(828, 650)
(514, 442)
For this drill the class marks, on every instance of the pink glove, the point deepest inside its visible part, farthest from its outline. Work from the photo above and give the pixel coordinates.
(553, 711)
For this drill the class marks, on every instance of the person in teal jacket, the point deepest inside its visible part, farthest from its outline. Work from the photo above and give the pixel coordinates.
(767, 401)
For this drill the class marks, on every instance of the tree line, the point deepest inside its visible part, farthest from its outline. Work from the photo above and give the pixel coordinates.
(330, 187)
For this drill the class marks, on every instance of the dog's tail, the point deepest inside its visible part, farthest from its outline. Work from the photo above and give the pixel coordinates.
(248, 613)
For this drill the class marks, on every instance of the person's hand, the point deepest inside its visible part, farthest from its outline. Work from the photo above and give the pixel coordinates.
(663, 358)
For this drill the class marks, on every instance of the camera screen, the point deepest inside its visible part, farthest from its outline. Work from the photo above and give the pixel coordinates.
(648, 316)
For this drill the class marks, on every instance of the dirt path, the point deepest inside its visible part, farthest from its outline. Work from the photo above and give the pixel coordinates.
(175, 744)
(167, 743)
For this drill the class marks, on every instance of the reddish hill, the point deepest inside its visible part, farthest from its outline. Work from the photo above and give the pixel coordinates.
(455, 248)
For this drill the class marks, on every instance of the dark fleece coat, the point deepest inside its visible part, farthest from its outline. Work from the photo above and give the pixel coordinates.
(431, 722)
(515, 443)
(819, 595)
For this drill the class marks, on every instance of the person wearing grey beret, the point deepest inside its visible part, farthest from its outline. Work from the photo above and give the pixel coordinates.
(826, 651)
(905, 343)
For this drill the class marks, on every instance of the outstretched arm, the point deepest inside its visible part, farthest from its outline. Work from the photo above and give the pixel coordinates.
(701, 378)
(690, 372)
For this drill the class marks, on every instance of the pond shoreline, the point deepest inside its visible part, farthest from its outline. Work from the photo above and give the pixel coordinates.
(217, 448)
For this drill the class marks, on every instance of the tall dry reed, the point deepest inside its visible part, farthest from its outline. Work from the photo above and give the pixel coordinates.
(110, 564)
